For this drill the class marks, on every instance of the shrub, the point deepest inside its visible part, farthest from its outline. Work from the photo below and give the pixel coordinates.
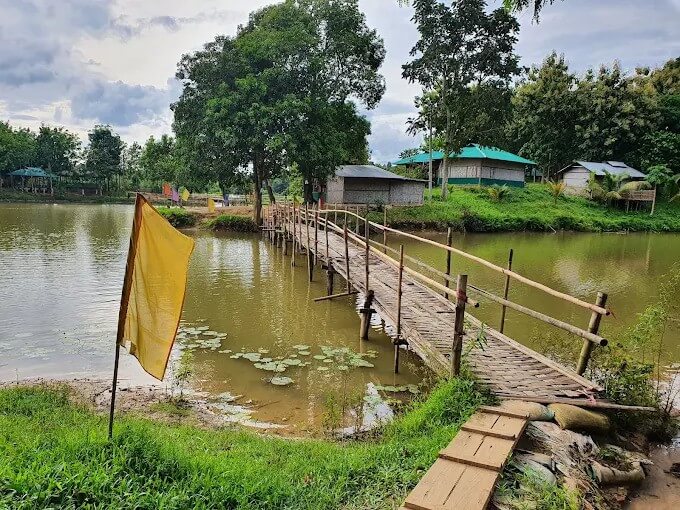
(178, 218)
(232, 223)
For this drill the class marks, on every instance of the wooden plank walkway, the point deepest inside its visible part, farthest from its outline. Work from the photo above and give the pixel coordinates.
(509, 368)
(464, 475)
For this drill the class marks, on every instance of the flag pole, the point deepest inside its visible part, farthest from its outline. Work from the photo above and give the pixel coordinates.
(125, 300)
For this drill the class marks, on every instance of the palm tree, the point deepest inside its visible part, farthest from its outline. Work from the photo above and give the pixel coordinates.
(498, 193)
(614, 187)
(557, 189)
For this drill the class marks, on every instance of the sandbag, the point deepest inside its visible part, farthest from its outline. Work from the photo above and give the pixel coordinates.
(574, 418)
(534, 410)
(611, 476)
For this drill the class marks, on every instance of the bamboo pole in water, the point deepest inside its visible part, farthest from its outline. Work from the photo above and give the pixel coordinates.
(349, 287)
(449, 242)
(397, 340)
(316, 236)
(384, 230)
(506, 291)
(310, 257)
(367, 251)
(593, 327)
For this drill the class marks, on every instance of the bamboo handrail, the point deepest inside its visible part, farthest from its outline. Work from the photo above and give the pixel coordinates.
(596, 339)
(490, 265)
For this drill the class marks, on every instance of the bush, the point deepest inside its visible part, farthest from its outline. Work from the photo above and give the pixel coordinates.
(232, 223)
(178, 218)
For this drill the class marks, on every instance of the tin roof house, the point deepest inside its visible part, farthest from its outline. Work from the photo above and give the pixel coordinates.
(370, 185)
(475, 164)
(577, 174)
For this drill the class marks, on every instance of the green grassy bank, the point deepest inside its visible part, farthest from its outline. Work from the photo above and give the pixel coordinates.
(54, 454)
(532, 208)
(63, 197)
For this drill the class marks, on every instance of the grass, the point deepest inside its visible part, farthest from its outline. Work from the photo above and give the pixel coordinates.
(526, 490)
(232, 223)
(533, 208)
(54, 454)
(178, 217)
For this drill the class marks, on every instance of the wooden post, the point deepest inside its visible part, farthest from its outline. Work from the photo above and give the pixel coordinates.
(356, 226)
(449, 242)
(593, 327)
(367, 251)
(397, 340)
(335, 214)
(292, 254)
(459, 325)
(349, 287)
(310, 256)
(384, 229)
(330, 276)
(366, 313)
(316, 236)
(328, 255)
(653, 202)
(506, 290)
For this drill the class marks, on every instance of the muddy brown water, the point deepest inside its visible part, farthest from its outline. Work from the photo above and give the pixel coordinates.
(61, 271)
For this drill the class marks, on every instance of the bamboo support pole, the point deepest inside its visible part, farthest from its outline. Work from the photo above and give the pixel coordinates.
(316, 236)
(449, 242)
(349, 286)
(356, 225)
(367, 252)
(384, 231)
(397, 340)
(366, 313)
(310, 257)
(294, 246)
(334, 296)
(506, 290)
(593, 327)
(459, 325)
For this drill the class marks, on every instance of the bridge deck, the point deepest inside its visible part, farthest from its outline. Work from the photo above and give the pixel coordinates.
(427, 324)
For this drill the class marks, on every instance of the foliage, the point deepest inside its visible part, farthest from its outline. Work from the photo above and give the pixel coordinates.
(630, 371)
(178, 217)
(159, 160)
(498, 193)
(18, 148)
(57, 150)
(523, 488)
(462, 52)
(557, 189)
(529, 208)
(613, 187)
(234, 223)
(104, 153)
(55, 454)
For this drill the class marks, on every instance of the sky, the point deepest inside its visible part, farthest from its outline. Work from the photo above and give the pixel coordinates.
(80, 62)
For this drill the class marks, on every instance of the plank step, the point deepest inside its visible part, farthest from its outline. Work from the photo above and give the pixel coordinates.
(488, 432)
(496, 466)
(502, 412)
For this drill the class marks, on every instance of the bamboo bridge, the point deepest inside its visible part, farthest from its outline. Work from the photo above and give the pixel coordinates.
(430, 316)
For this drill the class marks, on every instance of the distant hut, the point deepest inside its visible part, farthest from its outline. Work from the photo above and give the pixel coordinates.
(476, 164)
(370, 185)
(32, 179)
(577, 174)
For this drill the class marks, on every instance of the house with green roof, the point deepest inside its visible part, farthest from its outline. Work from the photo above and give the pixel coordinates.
(475, 164)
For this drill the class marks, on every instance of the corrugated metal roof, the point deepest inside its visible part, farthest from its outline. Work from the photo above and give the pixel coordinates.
(473, 151)
(610, 167)
(31, 172)
(369, 171)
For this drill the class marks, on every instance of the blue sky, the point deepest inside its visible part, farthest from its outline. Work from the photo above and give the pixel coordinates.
(80, 62)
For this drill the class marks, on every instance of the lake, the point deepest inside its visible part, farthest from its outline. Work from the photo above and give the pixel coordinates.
(62, 271)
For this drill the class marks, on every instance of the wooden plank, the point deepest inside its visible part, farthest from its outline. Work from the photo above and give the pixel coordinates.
(435, 487)
(473, 491)
(502, 412)
(489, 432)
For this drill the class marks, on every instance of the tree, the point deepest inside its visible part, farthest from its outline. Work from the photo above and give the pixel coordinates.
(159, 160)
(614, 115)
(461, 46)
(544, 115)
(57, 150)
(17, 148)
(103, 154)
(132, 165)
(519, 5)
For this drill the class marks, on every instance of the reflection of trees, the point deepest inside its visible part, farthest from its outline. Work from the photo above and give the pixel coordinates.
(106, 230)
(37, 227)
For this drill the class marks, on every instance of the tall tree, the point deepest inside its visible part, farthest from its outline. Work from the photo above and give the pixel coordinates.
(17, 148)
(57, 150)
(159, 160)
(461, 46)
(544, 115)
(103, 154)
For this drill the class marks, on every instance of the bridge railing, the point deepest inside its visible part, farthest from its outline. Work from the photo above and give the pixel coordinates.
(357, 229)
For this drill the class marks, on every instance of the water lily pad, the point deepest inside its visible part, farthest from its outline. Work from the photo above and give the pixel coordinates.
(343, 367)
(322, 369)
(320, 357)
(304, 353)
(237, 355)
(292, 362)
(252, 356)
(328, 360)
(203, 328)
(358, 362)
(271, 366)
(280, 380)
(301, 347)
(263, 351)
(226, 351)
(211, 333)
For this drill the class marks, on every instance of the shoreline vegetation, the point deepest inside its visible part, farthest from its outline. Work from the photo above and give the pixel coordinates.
(466, 209)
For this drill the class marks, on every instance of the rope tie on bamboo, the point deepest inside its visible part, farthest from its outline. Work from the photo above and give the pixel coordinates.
(461, 296)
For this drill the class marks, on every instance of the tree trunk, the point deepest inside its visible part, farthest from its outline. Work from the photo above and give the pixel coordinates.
(447, 143)
(257, 181)
(270, 192)
(307, 187)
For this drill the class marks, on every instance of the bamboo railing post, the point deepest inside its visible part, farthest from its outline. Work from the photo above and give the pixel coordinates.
(310, 256)
(593, 327)
(506, 290)
(459, 325)
(449, 242)
(397, 340)
(384, 229)
(335, 214)
(316, 236)
(367, 251)
(349, 286)
(356, 225)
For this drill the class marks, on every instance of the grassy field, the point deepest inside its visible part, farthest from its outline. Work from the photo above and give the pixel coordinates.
(532, 208)
(54, 454)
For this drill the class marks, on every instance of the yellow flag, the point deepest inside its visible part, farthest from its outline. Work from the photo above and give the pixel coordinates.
(154, 287)
(211, 205)
(185, 195)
